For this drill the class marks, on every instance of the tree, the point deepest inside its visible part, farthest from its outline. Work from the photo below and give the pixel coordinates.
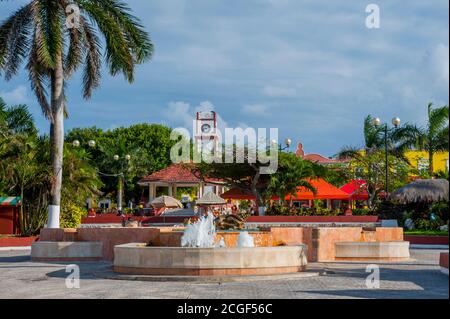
(434, 137)
(15, 119)
(40, 32)
(148, 145)
(292, 173)
(370, 161)
(244, 174)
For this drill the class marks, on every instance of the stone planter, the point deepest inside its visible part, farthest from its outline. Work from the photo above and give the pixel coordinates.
(138, 259)
(395, 250)
(66, 251)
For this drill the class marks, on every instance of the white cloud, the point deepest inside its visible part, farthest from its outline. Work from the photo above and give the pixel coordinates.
(17, 96)
(182, 113)
(440, 62)
(255, 109)
(277, 91)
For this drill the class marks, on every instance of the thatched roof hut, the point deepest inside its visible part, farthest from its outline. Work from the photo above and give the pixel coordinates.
(422, 191)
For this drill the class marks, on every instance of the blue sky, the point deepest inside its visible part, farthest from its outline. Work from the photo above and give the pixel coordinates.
(309, 67)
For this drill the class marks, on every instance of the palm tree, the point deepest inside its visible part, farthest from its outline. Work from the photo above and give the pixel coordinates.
(400, 139)
(434, 138)
(41, 33)
(15, 120)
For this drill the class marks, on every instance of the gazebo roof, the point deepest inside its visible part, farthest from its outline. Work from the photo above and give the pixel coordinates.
(356, 188)
(175, 173)
(324, 190)
(422, 190)
(239, 194)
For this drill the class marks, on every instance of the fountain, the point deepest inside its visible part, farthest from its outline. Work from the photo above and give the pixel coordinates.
(202, 253)
(201, 233)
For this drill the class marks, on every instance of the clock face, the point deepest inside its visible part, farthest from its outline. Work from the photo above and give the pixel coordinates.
(206, 128)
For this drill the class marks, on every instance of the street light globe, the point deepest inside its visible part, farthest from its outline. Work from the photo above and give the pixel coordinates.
(116, 157)
(128, 157)
(76, 143)
(288, 142)
(91, 143)
(274, 142)
(377, 121)
(396, 121)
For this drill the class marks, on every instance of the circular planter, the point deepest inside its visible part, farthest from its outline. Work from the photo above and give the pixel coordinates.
(137, 259)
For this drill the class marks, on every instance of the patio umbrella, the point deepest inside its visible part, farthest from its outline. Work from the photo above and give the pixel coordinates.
(422, 191)
(167, 202)
(211, 199)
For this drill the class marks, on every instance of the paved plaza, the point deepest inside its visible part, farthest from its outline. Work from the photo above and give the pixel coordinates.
(419, 278)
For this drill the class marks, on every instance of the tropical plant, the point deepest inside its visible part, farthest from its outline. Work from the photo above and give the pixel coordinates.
(15, 119)
(148, 145)
(435, 136)
(55, 49)
(71, 215)
(292, 173)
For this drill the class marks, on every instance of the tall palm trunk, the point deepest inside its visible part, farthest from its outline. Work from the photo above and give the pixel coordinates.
(57, 141)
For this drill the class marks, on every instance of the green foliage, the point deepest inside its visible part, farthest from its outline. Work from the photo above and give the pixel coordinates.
(148, 145)
(25, 171)
(282, 210)
(245, 205)
(361, 212)
(426, 232)
(435, 136)
(71, 216)
(293, 172)
(426, 224)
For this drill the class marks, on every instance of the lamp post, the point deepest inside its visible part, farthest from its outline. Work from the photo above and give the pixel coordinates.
(396, 123)
(120, 175)
(287, 143)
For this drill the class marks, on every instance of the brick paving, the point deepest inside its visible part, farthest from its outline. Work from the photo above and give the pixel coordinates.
(419, 278)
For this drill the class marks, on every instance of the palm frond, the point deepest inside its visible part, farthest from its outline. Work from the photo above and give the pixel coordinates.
(15, 40)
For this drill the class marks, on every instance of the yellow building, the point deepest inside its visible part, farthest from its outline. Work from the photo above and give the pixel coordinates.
(419, 160)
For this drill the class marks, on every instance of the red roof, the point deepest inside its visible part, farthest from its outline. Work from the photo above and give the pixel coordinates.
(175, 173)
(356, 189)
(324, 190)
(236, 193)
(317, 158)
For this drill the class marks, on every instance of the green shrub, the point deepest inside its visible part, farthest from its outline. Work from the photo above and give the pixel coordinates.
(361, 212)
(71, 216)
(425, 224)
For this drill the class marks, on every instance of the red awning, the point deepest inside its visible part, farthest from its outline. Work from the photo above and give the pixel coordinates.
(324, 190)
(356, 189)
(239, 194)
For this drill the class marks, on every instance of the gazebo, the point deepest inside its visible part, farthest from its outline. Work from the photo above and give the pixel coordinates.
(178, 175)
(356, 189)
(422, 191)
(324, 191)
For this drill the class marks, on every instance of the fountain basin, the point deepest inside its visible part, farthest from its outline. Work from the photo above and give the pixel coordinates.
(138, 259)
(393, 250)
